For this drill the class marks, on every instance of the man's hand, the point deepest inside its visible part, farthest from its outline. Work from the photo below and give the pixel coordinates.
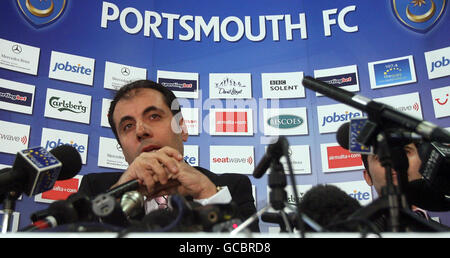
(164, 172)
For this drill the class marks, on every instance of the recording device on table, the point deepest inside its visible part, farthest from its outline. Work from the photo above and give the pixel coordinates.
(35, 170)
(385, 133)
(121, 209)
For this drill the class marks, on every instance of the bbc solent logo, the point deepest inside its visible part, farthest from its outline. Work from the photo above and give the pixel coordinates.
(282, 85)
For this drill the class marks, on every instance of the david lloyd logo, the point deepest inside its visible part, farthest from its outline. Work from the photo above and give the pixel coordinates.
(230, 86)
(285, 121)
(64, 105)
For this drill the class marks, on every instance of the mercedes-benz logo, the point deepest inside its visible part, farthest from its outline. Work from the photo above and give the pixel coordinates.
(16, 49)
(125, 71)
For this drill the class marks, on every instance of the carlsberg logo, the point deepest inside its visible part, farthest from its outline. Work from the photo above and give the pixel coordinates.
(63, 105)
(285, 121)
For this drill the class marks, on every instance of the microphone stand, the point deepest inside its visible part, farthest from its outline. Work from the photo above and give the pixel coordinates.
(392, 156)
(278, 195)
(9, 205)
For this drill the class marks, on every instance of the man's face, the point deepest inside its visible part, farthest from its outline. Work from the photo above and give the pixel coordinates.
(376, 175)
(145, 123)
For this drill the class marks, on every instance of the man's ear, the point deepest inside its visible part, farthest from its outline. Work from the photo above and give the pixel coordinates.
(179, 127)
(367, 177)
(184, 131)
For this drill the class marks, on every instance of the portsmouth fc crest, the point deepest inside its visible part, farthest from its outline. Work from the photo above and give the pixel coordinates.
(418, 15)
(41, 12)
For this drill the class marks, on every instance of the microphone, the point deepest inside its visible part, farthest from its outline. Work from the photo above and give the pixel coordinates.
(387, 113)
(274, 152)
(435, 165)
(119, 190)
(328, 205)
(77, 207)
(132, 203)
(347, 137)
(35, 170)
(80, 208)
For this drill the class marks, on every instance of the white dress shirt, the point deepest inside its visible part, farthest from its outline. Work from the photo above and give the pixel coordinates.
(221, 197)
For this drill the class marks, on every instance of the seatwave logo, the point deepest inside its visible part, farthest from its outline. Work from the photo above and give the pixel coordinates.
(285, 121)
(248, 160)
(14, 138)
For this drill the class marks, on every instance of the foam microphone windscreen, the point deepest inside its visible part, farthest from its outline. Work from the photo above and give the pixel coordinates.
(70, 159)
(342, 135)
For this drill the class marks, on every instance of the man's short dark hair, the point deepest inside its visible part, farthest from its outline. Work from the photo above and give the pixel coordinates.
(168, 96)
(364, 158)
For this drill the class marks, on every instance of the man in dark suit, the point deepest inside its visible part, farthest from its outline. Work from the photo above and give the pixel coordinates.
(147, 122)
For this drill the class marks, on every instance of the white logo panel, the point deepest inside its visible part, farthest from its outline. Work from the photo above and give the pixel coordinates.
(282, 85)
(71, 68)
(14, 137)
(441, 101)
(117, 75)
(232, 159)
(438, 63)
(19, 57)
(110, 154)
(68, 106)
(230, 86)
(52, 138)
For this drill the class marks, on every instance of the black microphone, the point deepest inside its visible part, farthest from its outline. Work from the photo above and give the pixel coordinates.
(35, 170)
(399, 136)
(81, 208)
(385, 112)
(328, 205)
(119, 190)
(76, 208)
(274, 152)
(435, 167)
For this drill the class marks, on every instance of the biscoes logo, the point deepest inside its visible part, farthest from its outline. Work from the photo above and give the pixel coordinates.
(418, 15)
(42, 12)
